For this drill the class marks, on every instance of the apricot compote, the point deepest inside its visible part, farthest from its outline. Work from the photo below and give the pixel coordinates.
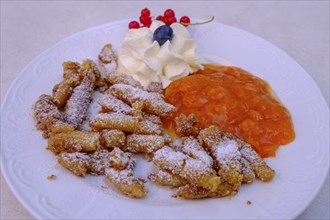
(237, 102)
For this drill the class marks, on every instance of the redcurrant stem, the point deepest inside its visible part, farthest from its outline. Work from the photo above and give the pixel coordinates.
(198, 23)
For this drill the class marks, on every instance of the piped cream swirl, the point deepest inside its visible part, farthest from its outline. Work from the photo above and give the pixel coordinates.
(146, 61)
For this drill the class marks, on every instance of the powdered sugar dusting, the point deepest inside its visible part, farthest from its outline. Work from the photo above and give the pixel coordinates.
(192, 147)
(99, 161)
(125, 123)
(161, 174)
(195, 169)
(227, 153)
(166, 179)
(153, 102)
(121, 160)
(107, 55)
(250, 155)
(77, 105)
(153, 118)
(76, 157)
(176, 144)
(259, 166)
(120, 176)
(77, 163)
(248, 174)
(112, 104)
(171, 160)
(136, 143)
(121, 78)
(112, 138)
(46, 113)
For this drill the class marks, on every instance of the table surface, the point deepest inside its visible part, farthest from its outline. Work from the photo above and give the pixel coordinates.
(301, 29)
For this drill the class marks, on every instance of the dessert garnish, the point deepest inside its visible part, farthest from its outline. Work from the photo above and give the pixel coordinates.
(163, 34)
(158, 54)
(185, 20)
(168, 18)
(159, 50)
(133, 25)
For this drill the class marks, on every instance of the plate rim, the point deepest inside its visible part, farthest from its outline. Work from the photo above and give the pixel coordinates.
(29, 207)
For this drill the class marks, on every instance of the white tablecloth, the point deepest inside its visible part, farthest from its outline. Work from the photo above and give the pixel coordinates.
(301, 29)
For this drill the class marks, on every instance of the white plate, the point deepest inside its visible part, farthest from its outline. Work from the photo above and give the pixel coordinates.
(301, 166)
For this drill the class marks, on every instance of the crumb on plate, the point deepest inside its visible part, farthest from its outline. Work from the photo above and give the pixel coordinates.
(51, 177)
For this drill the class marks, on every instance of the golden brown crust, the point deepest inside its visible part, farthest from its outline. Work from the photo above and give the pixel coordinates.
(107, 55)
(62, 91)
(247, 172)
(194, 149)
(194, 171)
(71, 78)
(165, 178)
(155, 87)
(112, 104)
(78, 163)
(60, 127)
(121, 160)
(107, 62)
(46, 112)
(124, 181)
(76, 107)
(48, 118)
(99, 161)
(124, 123)
(226, 155)
(139, 143)
(112, 138)
(90, 71)
(259, 166)
(120, 174)
(187, 125)
(152, 118)
(190, 191)
(70, 69)
(74, 141)
(153, 103)
(121, 78)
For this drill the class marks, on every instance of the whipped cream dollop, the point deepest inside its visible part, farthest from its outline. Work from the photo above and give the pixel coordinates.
(146, 61)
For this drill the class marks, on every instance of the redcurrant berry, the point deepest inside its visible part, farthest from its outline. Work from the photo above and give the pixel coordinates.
(145, 12)
(170, 20)
(185, 20)
(160, 18)
(146, 20)
(147, 25)
(134, 25)
(169, 13)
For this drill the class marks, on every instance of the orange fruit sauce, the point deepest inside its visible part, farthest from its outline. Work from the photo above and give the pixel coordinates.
(237, 102)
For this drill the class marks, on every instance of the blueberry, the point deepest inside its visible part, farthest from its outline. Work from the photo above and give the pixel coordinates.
(163, 34)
